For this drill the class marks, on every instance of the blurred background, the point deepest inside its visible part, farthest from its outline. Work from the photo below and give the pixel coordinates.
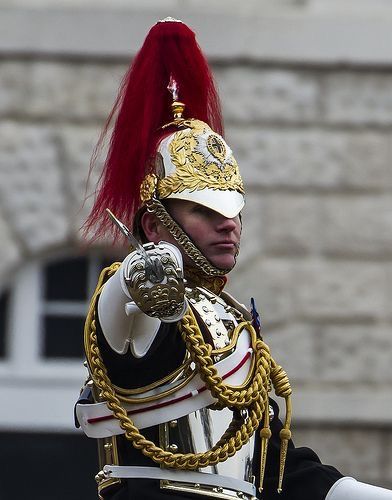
(306, 87)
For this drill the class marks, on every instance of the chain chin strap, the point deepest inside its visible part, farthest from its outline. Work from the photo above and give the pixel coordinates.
(253, 398)
(155, 206)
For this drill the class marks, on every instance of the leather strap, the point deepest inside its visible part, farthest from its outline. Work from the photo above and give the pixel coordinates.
(128, 472)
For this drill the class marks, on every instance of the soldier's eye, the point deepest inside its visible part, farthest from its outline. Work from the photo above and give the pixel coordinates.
(200, 209)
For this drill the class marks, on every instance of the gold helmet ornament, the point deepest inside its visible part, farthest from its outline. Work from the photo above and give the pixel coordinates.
(197, 165)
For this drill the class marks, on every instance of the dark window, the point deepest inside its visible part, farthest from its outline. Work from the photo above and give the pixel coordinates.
(54, 466)
(63, 337)
(66, 279)
(68, 285)
(4, 301)
(64, 308)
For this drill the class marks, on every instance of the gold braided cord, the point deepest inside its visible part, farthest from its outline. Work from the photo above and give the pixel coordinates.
(227, 446)
(253, 399)
(105, 274)
(266, 369)
(201, 354)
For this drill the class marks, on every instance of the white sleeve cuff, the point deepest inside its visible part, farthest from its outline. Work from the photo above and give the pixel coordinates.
(347, 488)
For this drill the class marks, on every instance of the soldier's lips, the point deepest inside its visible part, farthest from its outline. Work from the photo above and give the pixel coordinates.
(225, 245)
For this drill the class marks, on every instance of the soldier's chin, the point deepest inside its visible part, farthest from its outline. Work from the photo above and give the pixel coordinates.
(226, 264)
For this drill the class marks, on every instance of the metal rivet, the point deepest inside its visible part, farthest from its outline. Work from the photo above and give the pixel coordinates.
(173, 448)
(244, 414)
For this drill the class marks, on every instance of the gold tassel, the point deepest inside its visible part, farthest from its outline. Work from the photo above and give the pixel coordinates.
(285, 436)
(265, 435)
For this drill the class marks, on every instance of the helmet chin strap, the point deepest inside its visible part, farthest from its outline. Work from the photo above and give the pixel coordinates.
(190, 249)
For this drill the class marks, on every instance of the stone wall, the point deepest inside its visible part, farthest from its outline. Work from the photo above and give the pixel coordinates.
(314, 147)
(313, 142)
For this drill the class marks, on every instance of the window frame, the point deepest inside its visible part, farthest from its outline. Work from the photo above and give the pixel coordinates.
(40, 392)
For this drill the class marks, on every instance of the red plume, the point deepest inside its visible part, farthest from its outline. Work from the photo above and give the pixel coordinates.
(141, 108)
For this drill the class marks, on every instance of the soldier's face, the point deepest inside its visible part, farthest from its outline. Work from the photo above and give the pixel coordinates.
(216, 236)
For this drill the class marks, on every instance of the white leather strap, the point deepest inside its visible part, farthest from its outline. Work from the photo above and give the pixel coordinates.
(128, 472)
(347, 488)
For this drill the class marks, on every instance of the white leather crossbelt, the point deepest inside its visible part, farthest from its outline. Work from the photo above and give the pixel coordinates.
(129, 472)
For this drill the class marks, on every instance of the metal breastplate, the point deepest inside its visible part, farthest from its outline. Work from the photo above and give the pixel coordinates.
(217, 318)
(198, 432)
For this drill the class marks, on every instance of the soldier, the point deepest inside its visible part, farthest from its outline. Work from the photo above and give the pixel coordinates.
(180, 377)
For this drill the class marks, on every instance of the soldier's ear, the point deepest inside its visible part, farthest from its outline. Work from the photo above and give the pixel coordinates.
(152, 227)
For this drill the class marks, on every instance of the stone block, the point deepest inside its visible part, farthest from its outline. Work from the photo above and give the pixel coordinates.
(72, 91)
(31, 188)
(293, 347)
(358, 98)
(357, 226)
(318, 159)
(252, 95)
(355, 354)
(356, 452)
(387, 462)
(359, 404)
(76, 144)
(13, 86)
(291, 224)
(267, 280)
(388, 273)
(10, 251)
(252, 237)
(340, 290)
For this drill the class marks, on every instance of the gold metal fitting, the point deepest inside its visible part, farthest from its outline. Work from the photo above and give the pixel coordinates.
(177, 110)
(100, 476)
